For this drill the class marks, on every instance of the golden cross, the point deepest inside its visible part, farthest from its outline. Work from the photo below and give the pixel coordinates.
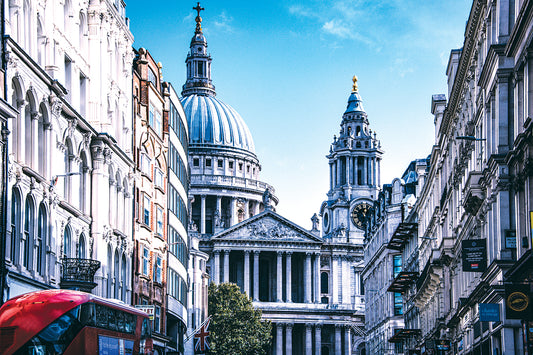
(198, 8)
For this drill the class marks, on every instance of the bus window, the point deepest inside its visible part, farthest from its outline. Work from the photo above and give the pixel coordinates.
(146, 331)
(55, 338)
(88, 314)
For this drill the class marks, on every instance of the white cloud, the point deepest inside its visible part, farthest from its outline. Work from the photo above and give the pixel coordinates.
(224, 22)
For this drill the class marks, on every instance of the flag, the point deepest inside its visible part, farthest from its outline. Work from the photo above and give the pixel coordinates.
(201, 338)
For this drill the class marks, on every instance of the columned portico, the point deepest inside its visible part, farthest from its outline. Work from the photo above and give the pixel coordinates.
(307, 280)
(279, 339)
(347, 341)
(226, 266)
(256, 275)
(247, 272)
(338, 340)
(318, 339)
(288, 276)
(316, 278)
(335, 279)
(288, 339)
(279, 277)
(216, 265)
(308, 340)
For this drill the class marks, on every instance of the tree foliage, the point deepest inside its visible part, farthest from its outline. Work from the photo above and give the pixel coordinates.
(236, 327)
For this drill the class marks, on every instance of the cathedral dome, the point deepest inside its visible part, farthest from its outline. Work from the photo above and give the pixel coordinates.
(212, 122)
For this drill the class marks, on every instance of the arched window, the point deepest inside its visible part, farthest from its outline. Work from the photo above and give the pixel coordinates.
(324, 282)
(42, 237)
(119, 213)
(84, 169)
(116, 294)
(40, 42)
(27, 239)
(112, 196)
(42, 139)
(29, 134)
(26, 10)
(125, 205)
(109, 270)
(69, 156)
(82, 248)
(67, 12)
(17, 100)
(15, 226)
(83, 32)
(124, 278)
(67, 242)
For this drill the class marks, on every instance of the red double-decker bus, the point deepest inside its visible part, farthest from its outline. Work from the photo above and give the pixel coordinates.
(72, 322)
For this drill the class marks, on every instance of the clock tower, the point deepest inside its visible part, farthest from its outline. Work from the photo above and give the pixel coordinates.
(354, 175)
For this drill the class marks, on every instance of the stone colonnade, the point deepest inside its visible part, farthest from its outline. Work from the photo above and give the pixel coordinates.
(357, 172)
(312, 339)
(307, 264)
(236, 210)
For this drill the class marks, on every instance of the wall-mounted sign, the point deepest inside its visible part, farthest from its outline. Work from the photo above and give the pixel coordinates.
(510, 239)
(442, 344)
(150, 309)
(489, 312)
(474, 252)
(518, 302)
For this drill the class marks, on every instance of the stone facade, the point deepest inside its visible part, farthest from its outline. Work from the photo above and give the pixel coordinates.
(69, 154)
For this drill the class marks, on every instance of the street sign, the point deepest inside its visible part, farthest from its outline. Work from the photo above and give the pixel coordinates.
(489, 312)
(518, 302)
(474, 252)
(510, 239)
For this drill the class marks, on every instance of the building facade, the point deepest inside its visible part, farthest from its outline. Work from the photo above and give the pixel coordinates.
(65, 221)
(478, 193)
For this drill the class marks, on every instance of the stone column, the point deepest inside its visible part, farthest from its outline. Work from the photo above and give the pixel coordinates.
(226, 266)
(307, 280)
(216, 265)
(317, 278)
(379, 172)
(256, 208)
(219, 206)
(331, 183)
(338, 341)
(247, 272)
(347, 341)
(374, 171)
(338, 165)
(308, 340)
(318, 339)
(256, 275)
(279, 339)
(279, 277)
(233, 211)
(246, 209)
(202, 215)
(288, 339)
(288, 276)
(335, 279)
(348, 171)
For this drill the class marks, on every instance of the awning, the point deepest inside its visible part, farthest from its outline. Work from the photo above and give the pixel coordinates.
(403, 334)
(402, 281)
(401, 235)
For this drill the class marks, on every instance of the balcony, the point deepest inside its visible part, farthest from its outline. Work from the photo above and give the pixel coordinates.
(402, 281)
(401, 235)
(78, 274)
(230, 181)
(473, 193)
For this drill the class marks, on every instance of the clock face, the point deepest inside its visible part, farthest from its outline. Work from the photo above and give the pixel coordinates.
(360, 213)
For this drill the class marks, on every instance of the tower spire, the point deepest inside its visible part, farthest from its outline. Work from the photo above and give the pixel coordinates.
(198, 19)
(198, 62)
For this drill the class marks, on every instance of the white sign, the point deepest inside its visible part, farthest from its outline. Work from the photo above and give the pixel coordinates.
(150, 309)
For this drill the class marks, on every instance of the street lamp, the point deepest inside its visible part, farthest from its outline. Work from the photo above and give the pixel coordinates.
(53, 181)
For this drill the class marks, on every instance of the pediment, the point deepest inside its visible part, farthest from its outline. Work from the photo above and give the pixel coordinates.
(267, 226)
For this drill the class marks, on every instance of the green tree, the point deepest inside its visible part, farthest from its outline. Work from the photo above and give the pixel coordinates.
(236, 327)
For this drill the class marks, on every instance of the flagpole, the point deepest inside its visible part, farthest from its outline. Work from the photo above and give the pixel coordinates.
(191, 335)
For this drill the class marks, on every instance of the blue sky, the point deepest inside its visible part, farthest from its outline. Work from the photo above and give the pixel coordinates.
(286, 67)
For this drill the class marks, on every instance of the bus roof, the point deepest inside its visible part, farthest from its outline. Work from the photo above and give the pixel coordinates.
(31, 312)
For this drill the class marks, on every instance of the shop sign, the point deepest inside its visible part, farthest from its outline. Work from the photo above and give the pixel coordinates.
(442, 344)
(150, 309)
(489, 312)
(474, 252)
(510, 239)
(518, 302)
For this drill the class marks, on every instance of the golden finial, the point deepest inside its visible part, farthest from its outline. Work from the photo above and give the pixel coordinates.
(354, 87)
(198, 19)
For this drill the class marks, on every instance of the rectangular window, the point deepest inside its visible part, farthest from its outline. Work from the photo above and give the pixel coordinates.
(146, 262)
(208, 162)
(157, 319)
(398, 304)
(231, 165)
(158, 124)
(196, 162)
(220, 163)
(146, 209)
(152, 77)
(83, 94)
(158, 269)
(159, 178)
(68, 77)
(159, 216)
(396, 265)
(151, 115)
(146, 164)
